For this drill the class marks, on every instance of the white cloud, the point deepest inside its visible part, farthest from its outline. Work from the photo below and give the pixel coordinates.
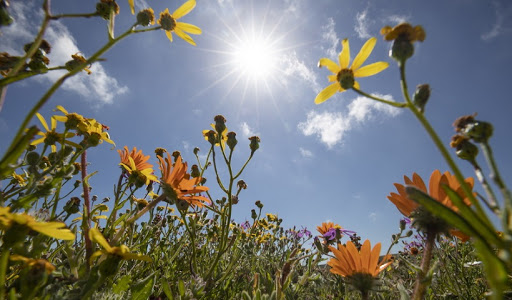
(295, 68)
(502, 15)
(362, 24)
(373, 216)
(246, 130)
(329, 127)
(305, 153)
(332, 127)
(186, 145)
(330, 37)
(397, 19)
(98, 87)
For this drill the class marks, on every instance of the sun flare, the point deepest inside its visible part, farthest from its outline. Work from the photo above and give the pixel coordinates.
(255, 58)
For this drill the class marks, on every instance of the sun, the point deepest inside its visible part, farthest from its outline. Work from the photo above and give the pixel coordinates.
(255, 58)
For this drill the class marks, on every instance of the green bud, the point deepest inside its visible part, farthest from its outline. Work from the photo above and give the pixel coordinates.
(72, 206)
(103, 9)
(66, 151)
(5, 17)
(146, 17)
(241, 184)
(479, 131)
(408, 233)
(77, 167)
(467, 151)
(77, 184)
(231, 140)
(175, 155)
(195, 171)
(33, 158)
(255, 143)
(401, 49)
(160, 152)
(182, 205)
(253, 214)
(52, 157)
(196, 150)
(31, 148)
(38, 65)
(421, 96)
(259, 204)
(220, 124)
(402, 225)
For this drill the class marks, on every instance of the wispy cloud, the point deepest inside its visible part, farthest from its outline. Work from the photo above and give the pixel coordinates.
(247, 131)
(305, 153)
(362, 24)
(373, 216)
(502, 15)
(332, 127)
(397, 19)
(98, 87)
(294, 67)
(330, 37)
(328, 126)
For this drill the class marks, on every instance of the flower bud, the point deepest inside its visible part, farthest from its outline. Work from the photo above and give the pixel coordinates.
(479, 131)
(402, 225)
(104, 7)
(255, 143)
(203, 180)
(160, 151)
(253, 214)
(33, 158)
(259, 204)
(182, 205)
(5, 17)
(211, 136)
(234, 199)
(195, 171)
(77, 184)
(77, 168)
(196, 150)
(31, 148)
(231, 140)
(464, 148)
(72, 206)
(176, 154)
(421, 96)
(401, 49)
(146, 17)
(241, 184)
(220, 124)
(408, 233)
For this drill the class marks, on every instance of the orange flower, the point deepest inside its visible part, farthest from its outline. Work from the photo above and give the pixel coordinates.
(136, 161)
(406, 206)
(178, 184)
(349, 261)
(326, 226)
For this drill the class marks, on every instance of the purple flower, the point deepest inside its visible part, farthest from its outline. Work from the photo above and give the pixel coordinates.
(245, 225)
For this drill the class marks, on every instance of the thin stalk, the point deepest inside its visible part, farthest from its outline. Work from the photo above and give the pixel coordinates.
(86, 221)
(192, 240)
(4, 258)
(392, 103)
(491, 202)
(420, 287)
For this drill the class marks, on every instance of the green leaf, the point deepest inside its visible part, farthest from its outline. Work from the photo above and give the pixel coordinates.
(181, 288)
(15, 150)
(165, 287)
(122, 284)
(142, 290)
(495, 269)
(489, 234)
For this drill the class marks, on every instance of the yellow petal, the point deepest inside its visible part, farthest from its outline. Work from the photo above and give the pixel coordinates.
(370, 70)
(327, 92)
(54, 148)
(43, 121)
(184, 36)
(136, 256)
(364, 53)
(192, 29)
(169, 35)
(53, 229)
(184, 9)
(54, 123)
(356, 85)
(96, 236)
(61, 118)
(62, 109)
(132, 6)
(329, 64)
(38, 141)
(344, 57)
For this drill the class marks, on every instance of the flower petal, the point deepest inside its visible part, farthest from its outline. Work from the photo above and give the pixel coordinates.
(96, 236)
(169, 35)
(184, 36)
(192, 29)
(329, 64)
(344, 57)
(363, 54)
(184, 9)
(62, 109)
(370, 70)
(43, 121)
(327, 92)
(132, 6)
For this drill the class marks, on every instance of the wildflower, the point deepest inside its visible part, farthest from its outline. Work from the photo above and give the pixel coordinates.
(437, 180)
(16, 226)
(211, 134)
(122, 251)
(94, 132)
(404, 30)
(51, 137)
(178, 185)
(343, 76)
(255, 144)
(39, 264)
(19, 179)
(76, 61)
(326, 226)
(70, 120)
(359, 267)
(136, 162)
(168, 22)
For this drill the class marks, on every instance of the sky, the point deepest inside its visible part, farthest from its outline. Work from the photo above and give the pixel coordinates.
(256, 64)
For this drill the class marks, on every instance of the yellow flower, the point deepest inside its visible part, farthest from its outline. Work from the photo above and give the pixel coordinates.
(94, 131)
(20, 178)
(136, 161)
(123, 252)
(349, 261)
(343, 76)
(51, 137)
(404, 30)
(70, 120)
(52, 229)
(178, 184)
(39, 264)
(168, 22)
(223, 137)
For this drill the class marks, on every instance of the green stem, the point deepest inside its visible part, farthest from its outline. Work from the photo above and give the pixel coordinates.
(444, 152)
(491, 203)
(89, 15)
(192, 240)
(4, 259)
(392, 103)
(421, 285)
(26, 74)
(86, 221)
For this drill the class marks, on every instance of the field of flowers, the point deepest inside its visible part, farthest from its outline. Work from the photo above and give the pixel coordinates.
(161, 235)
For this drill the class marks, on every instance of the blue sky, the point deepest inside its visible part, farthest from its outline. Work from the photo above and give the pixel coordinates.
(331, 162)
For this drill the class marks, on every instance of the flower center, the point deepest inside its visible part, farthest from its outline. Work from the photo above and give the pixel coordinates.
(346, 78)
(167, 22)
